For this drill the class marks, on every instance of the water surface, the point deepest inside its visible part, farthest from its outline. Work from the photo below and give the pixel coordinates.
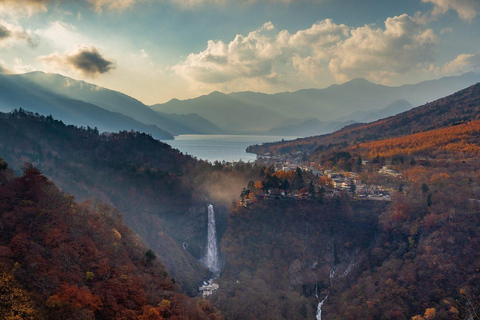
(212, 147)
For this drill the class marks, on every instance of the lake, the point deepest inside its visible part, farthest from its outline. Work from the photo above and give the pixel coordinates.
(212, 147)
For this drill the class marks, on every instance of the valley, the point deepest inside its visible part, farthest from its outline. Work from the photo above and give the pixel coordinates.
(355, 220)
(239, 160)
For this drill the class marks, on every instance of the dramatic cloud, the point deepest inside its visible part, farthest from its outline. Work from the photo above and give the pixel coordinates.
(324, 50)
(377, 54)
(4, 33)
(463, 63)
(466, 9)
(85, 60)
(244, 57)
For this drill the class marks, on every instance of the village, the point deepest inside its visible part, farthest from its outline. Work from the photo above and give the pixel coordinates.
(324, 182)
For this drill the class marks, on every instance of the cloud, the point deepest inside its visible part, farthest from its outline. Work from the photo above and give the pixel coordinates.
(3, 69)
(4, 33)
(62, 35)
(462, 64)
(20, 8)
(378, 54)
(85, 60)
(324, 51)
(466, 9)
(10, 33)
(23, 7)
(250, 56)
(101, 5)
(20, 67)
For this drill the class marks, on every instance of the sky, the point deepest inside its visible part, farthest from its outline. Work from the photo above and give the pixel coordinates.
(157, 50)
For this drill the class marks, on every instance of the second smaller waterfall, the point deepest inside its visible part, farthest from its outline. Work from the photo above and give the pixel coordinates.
(211, 257)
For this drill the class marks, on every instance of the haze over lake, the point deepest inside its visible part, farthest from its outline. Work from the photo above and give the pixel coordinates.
(228, 148)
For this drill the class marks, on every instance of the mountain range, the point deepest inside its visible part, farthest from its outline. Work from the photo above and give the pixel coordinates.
(302, 113)
(409, 257)
(458, 108)
(314, 111)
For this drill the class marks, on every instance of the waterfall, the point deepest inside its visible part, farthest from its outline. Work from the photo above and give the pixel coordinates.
(319, 308)
(211, 257)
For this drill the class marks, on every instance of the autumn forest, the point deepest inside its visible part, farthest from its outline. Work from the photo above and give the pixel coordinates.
(376, 221)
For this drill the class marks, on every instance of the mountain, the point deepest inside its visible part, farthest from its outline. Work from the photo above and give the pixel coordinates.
(16, 94)
(400, 243)
(313, 127)
(61, 259)
(306, 128)
(392, 109)
(417, 203)
(225, 111)
(159, 191)
(110, 100)
(262, 112)
(194, 124)
(460, 107)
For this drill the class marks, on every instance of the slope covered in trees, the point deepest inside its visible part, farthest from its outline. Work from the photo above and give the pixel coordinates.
(462, 139)
(281, 255)
(461, 107)
(160, 192)
(60, 259)
(423, 261)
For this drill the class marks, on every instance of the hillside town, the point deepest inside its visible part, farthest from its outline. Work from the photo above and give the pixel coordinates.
(324, 182)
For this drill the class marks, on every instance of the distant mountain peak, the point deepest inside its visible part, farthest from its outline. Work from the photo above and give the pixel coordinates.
(217, 93)
(358, 81)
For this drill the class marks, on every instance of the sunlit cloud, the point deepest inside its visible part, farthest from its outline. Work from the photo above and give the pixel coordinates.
(466, 9)
(17, 8)
(325, 49)
(461, 64)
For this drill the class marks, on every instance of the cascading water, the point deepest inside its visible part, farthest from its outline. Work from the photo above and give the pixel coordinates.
(211, 257)
(319, 308)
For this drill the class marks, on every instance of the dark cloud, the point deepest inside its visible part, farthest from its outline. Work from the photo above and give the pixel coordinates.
(90, 62)
(4, 32)
(86, 60)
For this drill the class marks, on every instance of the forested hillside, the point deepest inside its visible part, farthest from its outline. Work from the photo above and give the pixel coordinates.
(60, 259)
(160, 192)
(280, 255)
(461, 107)
(422, 262)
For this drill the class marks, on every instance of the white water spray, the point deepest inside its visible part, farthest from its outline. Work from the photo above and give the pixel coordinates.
(211, 257)
(319, 308)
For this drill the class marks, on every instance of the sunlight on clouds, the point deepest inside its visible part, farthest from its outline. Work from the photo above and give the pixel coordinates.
(61, 35)
(461, 64)
(466, 9)
(19, 8)
(20, 67)
(326, 49)
(248, 56)
(376, 54)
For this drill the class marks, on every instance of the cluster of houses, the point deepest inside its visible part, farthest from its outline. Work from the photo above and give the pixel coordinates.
(337, 182)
